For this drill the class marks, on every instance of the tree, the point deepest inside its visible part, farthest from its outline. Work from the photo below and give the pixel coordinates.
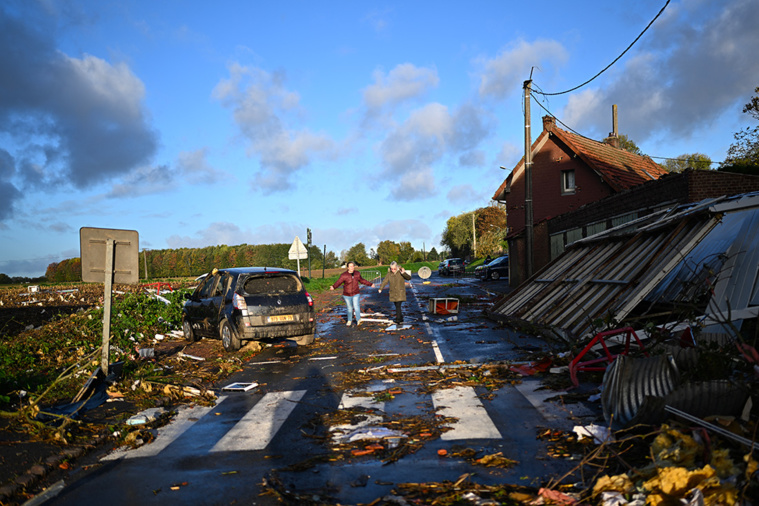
(406, 252)
(745, 150)
(357, 254)
(458, 235)
(388, 251)
(331, 261)
(433, 254)
(697, 161)
(629, 145)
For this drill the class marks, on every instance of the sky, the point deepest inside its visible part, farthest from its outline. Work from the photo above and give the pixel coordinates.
(202, 123)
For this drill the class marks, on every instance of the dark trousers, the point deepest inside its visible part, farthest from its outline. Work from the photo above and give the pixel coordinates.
(398, 314)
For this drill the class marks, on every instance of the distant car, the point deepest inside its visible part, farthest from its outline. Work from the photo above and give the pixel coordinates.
(496, 269)
(451, 266)
(249, 303)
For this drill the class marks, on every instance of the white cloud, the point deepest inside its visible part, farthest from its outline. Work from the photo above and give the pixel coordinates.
(405, 82)
(431, 133)
(77, 121)
(694, 65)
(195, 168)
(465, 194)
(260, 105)
(503, 75)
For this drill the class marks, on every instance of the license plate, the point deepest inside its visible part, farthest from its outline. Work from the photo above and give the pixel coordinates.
(280, 318)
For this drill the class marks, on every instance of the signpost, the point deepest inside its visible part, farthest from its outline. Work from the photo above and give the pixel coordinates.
(109, 255)
(297, 251)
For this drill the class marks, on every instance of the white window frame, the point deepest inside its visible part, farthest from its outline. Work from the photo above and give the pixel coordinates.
(567, 179)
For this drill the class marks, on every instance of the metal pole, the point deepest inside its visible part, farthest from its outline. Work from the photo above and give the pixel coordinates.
(527, 179)
(104, 356)
(474, 236)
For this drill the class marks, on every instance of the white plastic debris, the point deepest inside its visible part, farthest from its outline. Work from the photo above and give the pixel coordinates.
(598, 433)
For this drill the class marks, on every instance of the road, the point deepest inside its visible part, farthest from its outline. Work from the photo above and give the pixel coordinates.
(293, 429)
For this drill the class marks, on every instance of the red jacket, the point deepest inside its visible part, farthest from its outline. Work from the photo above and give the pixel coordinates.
(351, 282)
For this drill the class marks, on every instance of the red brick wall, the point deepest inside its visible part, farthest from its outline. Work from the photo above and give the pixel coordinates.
(705, 184)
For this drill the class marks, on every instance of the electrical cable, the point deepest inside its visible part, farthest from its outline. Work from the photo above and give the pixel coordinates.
(567, 127)
(615, 60)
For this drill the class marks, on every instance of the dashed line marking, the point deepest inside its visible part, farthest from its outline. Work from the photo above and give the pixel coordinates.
(432, 333)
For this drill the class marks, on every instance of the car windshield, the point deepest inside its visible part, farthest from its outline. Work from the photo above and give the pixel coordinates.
(499, 261)
(272, 284)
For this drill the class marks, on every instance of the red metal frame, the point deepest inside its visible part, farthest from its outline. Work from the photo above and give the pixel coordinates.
(590, 365)
(158, 285)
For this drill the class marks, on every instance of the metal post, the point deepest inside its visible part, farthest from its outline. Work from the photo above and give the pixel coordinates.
(108, 289)
(528, 179)
(474, 235)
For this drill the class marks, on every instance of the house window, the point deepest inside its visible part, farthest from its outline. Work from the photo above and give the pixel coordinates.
(567, 181)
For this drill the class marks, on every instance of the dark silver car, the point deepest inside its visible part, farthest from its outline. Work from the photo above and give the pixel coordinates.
(451, 267)
(249, 303)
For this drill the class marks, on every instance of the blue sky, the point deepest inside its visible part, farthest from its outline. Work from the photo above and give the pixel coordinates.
(199, 123)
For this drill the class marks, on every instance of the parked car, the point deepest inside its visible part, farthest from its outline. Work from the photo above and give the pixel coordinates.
(496, 269)
(249, 303)
(450, 267)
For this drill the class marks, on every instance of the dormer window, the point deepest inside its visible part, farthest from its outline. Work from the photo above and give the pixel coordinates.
(567, 182)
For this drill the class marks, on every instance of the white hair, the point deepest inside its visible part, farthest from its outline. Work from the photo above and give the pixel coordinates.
(393, 263)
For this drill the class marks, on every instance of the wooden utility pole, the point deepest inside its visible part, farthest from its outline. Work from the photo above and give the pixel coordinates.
(474, 235)
(527, 179)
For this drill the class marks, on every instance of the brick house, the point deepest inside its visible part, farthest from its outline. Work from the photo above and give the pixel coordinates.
(568, 172)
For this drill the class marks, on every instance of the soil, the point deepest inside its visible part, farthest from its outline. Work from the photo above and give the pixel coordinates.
(31, 460)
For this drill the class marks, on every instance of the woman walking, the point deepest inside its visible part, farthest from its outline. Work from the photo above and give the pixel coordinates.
(396, 277)
(350, 280)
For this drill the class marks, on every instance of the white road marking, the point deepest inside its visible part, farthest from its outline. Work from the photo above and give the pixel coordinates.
(438, 354)
(186, 418)
(473, 421)
(258, 427)
(432, 333)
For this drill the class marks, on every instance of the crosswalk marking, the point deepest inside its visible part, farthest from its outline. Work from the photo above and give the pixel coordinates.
(473, 421)
(258, 427)
(186, 418)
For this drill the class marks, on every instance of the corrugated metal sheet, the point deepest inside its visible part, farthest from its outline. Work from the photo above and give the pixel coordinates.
(636, 390)
(631, 383)
(610, 273)
(593, 279)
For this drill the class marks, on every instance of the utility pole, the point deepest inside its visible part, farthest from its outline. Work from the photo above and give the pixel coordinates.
(474, 235)
(145, 256)
(308, 238)
(527, 179)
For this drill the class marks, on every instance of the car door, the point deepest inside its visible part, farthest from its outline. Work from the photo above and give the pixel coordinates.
(203, 312)
(217, 300)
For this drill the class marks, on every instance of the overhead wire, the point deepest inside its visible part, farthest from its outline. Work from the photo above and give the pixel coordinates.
(615, 59)
(567, 127)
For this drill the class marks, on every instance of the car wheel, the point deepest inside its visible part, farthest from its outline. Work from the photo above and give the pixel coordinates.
(305, 339)
(495, 276)
(229, 339)
(188, 332)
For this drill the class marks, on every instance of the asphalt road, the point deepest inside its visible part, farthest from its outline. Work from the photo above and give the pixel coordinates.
(287, 428)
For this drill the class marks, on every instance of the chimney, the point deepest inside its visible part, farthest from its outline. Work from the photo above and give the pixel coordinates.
(613, 138)
(548, 123)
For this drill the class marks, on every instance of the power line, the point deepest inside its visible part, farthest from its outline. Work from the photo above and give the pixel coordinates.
(567, 127)
(615, 59)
